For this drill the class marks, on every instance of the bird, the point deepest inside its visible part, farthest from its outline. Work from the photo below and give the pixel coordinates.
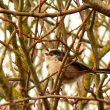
(72, 71)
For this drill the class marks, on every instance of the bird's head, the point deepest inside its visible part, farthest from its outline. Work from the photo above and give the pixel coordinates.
(54, 54)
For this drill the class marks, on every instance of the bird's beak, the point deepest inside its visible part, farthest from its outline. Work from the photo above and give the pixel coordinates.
(46, 56)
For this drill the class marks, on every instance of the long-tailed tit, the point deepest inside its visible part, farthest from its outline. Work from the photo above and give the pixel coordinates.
(72, 71)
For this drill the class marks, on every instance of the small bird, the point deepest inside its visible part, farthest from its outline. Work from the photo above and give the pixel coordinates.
(71, 72)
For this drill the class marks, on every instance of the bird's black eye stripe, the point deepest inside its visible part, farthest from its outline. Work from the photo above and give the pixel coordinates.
(55, 52)
(51, 53)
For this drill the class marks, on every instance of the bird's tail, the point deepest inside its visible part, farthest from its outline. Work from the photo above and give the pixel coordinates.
(101, 71)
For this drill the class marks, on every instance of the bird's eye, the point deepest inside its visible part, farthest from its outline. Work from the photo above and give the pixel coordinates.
(46, 53)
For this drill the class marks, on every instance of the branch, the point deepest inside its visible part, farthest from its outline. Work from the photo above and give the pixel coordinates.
(54, 96)
(99, 6)
(42, 15)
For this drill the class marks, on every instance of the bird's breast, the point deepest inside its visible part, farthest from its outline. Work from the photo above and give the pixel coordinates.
(53, 66)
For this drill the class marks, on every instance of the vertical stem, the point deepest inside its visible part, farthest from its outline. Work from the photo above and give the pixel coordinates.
(26, 55)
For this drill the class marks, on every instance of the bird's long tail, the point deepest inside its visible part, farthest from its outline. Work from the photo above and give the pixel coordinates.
(102, 71)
